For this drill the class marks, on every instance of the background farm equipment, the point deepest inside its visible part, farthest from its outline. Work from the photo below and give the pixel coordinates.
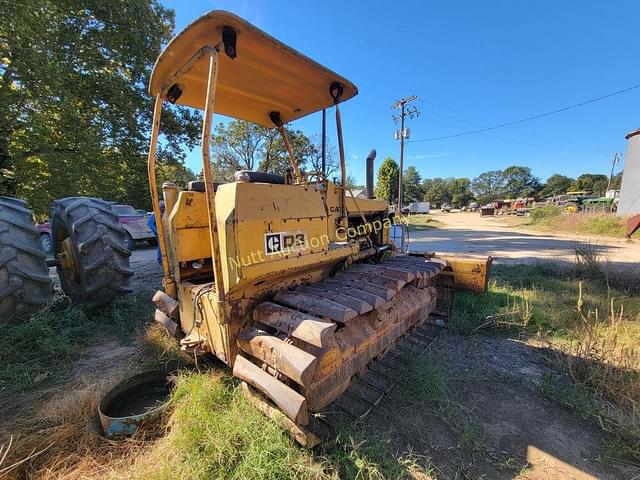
(89, 248)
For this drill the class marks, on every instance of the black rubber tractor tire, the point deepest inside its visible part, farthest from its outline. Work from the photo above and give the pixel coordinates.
(24, 277)
(86, 233)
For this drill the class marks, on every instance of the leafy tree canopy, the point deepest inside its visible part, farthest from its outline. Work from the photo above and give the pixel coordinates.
(512, 182)
(519, 182)
(488, 186)
(452, 191)
(75, 115)
(591, 182)
(411, 185)
(387, 180)
(557, 185)
(241, 145)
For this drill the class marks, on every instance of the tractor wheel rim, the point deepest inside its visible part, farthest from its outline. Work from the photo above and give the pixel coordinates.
(67, 259)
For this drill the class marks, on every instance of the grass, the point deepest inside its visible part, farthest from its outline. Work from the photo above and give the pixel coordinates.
(590, 315)
(215, 433)
(429, 379)
(421, 223)
(211, 431)
(427, 383)
(542, 298)
(40, 349)
(552, 218)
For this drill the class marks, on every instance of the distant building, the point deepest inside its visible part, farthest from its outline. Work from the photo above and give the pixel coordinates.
(630, 189)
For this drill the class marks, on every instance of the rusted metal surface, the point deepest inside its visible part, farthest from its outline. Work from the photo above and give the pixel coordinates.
(304, 436)
(330, 288)
(352, 302)
(288, 359)
(292, 403)
(306, 328)
(346, 283)
(132, 402)
(389, 283)
(359, 338)
(633, 224)
(322, 307)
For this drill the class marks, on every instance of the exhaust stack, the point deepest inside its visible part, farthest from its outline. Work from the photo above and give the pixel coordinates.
(370, 159)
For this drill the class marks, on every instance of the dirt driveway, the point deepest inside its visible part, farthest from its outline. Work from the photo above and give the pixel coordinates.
(464, 232)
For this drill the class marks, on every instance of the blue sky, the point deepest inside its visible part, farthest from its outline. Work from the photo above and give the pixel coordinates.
(473, 64)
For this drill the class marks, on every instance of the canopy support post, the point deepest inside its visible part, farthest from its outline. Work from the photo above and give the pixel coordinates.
(168, 282)
(208, 175)
(277, 121)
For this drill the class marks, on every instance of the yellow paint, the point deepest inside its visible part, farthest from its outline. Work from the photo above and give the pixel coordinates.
(265, 76)
(469, 273)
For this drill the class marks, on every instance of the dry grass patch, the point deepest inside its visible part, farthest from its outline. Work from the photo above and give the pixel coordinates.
(589, 315)
(552, 218)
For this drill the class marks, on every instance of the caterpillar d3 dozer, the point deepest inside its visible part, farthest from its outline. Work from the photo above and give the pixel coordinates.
(290, 281)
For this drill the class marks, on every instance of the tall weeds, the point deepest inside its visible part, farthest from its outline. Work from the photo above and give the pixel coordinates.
(605, 357)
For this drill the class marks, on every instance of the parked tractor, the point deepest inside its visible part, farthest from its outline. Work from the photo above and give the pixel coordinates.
(89, 250)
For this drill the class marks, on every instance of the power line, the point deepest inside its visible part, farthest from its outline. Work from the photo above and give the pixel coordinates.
(528, 119)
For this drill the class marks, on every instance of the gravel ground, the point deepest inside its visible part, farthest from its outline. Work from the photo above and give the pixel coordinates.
(469, 233)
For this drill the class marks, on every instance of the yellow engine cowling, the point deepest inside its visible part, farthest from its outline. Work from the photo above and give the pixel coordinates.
(272, 237)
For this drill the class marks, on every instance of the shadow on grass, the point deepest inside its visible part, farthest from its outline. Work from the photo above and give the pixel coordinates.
(43, 346)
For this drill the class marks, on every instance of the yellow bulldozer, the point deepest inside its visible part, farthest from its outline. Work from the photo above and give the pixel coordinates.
(290, 280)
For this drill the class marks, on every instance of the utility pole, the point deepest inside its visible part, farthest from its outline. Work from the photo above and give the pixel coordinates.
(616, 159)
(410, 112)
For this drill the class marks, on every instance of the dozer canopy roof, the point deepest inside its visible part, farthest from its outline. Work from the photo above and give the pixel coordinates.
(265, 76)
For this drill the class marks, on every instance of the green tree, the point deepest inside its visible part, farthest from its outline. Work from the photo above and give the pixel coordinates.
(276, 158)
(175, 172)
(595, 183)
(519, 182)
(75, 115)
(460, 191)
(436, 191)
(242, 145)
(616, 181)
(387, 181)
(411, 185)
(557, 185)
(454, 191)
(488, 186)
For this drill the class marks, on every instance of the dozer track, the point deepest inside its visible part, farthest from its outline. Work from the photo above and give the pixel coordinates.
(310, 351)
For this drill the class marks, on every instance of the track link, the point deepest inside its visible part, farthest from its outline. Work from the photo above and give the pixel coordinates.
(308, 350)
